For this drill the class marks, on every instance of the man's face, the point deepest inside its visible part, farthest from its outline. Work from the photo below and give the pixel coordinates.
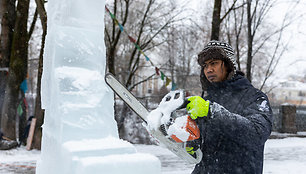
(215, 70)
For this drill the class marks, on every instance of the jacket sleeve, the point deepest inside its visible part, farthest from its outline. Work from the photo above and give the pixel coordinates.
(252, 127)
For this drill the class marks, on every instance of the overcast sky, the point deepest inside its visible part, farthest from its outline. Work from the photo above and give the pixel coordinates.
(294, 60)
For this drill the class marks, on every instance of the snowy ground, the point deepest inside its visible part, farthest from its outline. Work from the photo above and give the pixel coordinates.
(18, 161)
(282, 156)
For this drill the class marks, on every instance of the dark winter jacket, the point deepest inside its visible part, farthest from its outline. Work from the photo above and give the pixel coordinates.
(234, 133)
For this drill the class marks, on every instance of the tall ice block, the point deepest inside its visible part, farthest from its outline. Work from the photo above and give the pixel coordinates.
(79, 132)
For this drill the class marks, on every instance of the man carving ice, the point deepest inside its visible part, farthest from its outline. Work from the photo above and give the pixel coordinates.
(234, 118)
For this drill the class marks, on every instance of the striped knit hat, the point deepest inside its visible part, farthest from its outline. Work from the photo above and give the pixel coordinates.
(217, 50)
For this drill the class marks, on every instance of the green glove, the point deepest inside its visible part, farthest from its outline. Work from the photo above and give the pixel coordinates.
(190, 150)
(197, 107)
(192, 147)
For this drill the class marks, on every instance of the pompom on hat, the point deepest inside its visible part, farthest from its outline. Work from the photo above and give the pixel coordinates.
(221, 51)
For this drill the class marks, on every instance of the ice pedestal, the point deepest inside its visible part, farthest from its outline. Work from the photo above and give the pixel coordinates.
(118, 164)
(108, 155)
(79, 132)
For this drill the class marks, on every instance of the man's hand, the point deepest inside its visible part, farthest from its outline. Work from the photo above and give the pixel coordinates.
(192, 147)
(197, 107)
(190, 150)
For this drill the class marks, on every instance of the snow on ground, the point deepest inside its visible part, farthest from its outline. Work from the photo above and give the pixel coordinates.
(282, 156)
(18, 161)
(285, 156)
(171, 164)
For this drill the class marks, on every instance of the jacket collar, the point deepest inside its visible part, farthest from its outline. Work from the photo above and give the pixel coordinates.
(237, 83)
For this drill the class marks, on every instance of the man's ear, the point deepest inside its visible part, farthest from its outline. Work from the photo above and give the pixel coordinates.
(223, 67)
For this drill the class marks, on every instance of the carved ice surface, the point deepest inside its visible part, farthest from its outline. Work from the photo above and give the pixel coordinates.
(79, 132)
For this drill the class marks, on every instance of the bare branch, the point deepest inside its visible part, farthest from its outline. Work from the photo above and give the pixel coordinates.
(140, 82)
(33, 24)
(42, 13)
(228, 11)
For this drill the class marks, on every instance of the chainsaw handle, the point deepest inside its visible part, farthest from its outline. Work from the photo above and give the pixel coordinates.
(186, 102)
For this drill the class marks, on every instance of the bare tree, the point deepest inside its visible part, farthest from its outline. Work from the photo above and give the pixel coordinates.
(180, 52)
(280, 47)
(215, 24)
(8, 16)
(217, 18)
(259, 44)
(145, 23)
(39, 112)
(142, 24)
(234, 27)
(113, 34)
(255, 17)
(16, 57)
(18, 69)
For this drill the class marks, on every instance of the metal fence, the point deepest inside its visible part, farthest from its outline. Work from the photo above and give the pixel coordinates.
(300, 118)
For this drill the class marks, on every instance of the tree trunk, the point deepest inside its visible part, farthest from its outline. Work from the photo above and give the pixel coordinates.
(39, 112)
(250, 42)
(18, 70)
(121, 118)
(114, 36)
(111, 60)
(3, 82)
(8, 16)
(7, 31)
(215, 24)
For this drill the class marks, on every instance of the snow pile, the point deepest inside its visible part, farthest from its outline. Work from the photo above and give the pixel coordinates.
(79, 132)
(263, 106)
(178, 128)
(165, 115)
(154, 119)
(161, 115)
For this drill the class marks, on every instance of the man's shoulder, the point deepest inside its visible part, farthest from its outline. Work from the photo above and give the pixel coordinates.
(252, 93)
